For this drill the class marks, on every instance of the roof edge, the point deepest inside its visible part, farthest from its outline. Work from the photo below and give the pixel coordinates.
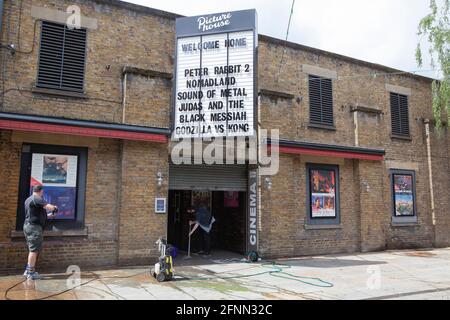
(140, 8)
(295, 45)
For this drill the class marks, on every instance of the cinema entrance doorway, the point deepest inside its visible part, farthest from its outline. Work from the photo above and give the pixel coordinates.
(223, 189)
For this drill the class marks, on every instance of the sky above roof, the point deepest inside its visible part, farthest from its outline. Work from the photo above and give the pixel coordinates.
(381, 31)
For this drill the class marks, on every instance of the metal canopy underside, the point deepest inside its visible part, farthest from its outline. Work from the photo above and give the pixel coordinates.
(208, 177)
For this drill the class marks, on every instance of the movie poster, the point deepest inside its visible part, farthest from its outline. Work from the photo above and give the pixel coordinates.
(199, 197)
(323, 193)
(403, 195)
(231, 199)
(58, 174)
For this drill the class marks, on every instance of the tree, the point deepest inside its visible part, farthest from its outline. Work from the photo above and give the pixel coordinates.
(436, 27)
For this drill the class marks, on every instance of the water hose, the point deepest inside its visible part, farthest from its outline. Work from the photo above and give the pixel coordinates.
(277, 271)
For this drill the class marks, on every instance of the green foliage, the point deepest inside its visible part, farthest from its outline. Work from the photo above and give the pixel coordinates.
(436, 27)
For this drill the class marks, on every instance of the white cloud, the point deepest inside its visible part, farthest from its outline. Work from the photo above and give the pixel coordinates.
(381, 31)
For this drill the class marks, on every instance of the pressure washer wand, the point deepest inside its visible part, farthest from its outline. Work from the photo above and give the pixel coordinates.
(189, 241)
(52, 220)
(189, 245)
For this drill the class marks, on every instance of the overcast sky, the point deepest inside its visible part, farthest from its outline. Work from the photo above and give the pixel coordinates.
(379, 31)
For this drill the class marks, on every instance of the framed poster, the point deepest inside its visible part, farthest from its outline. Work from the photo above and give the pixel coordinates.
(58, 174)
(322, 192)
(403, 194)
(201, 196)
(160, 205)
(231, 199)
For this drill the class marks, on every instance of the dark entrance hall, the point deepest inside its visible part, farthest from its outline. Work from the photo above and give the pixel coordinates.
(227, 207)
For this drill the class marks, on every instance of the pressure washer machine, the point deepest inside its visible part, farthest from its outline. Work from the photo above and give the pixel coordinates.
(163, 270)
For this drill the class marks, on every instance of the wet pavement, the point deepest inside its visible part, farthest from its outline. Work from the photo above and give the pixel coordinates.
(409, 274)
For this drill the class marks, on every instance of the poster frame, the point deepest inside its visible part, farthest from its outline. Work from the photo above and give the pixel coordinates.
(24, 183)
(392, 174)
(322, 220)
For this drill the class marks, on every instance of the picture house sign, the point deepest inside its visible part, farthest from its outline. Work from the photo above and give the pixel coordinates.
(215, 75)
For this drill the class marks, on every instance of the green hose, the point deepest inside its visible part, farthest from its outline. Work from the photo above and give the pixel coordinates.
(277, 271)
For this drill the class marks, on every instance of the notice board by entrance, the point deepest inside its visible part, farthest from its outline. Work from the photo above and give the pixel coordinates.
(215, 75)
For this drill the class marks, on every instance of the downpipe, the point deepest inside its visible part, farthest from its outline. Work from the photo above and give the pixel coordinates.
(430, 178)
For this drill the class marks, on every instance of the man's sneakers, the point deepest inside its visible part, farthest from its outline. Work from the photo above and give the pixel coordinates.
(33, 275)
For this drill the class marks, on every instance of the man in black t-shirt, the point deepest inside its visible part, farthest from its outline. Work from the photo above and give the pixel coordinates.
(35, 219)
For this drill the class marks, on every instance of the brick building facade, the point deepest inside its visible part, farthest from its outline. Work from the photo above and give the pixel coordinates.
(129, 60)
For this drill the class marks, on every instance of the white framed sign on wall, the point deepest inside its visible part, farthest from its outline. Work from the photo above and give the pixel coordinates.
(160, 205)
(215, 75)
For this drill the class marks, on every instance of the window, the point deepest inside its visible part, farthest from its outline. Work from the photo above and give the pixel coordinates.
(320, 101)
(61, 58)
(62, 172)
(403, 196)
(399, 114)
(323, 194)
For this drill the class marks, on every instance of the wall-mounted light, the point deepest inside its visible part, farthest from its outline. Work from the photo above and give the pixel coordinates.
(268, 183)
(366, 185)
(159, 178)
(12, 48)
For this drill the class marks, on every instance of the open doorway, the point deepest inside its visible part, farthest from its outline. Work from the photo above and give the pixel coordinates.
(229, 210)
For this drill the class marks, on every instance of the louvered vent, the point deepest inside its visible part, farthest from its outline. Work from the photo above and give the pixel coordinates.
(320, 101)
(399, 114)
(61, 58)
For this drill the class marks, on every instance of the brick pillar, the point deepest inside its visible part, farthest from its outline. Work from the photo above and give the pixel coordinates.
(139, 226)
(440, 150)
(373, 215)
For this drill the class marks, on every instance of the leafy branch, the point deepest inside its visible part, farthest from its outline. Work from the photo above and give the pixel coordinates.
(436, 27)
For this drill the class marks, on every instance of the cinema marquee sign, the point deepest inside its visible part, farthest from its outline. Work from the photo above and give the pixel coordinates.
(215, 75)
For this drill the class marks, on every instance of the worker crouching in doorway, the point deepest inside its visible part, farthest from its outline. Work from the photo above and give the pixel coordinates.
(204, 220)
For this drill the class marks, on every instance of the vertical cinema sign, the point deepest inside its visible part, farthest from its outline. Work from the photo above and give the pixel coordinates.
(215, 75)
(252, 219)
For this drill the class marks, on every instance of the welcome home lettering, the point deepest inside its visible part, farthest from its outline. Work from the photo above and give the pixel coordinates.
(213, 44)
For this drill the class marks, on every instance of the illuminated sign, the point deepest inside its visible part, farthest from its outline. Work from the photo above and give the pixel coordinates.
(214, 92)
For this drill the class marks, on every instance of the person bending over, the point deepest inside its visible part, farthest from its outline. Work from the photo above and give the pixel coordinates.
(35, 219)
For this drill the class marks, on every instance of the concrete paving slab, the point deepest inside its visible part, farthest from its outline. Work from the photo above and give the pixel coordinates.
(390, 275)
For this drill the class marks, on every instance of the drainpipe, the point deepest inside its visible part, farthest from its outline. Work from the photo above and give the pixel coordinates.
(355, 121)
(430, 177)
(120, 185)
(124, 94)
(1, 19)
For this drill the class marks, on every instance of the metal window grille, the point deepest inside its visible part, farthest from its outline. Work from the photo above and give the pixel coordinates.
(61, 58)
(399, 114)
(320, 101)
